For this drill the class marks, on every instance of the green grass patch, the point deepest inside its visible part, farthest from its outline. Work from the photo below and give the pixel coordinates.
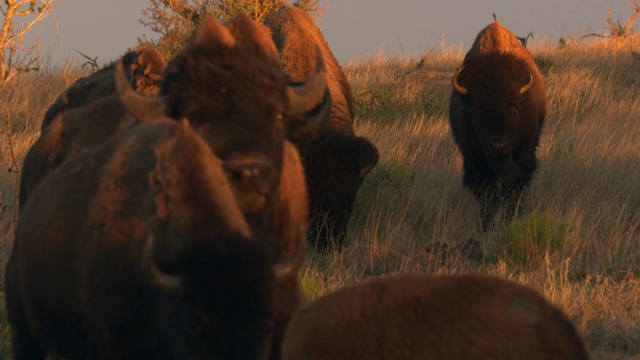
(311, 286)
(526, 241)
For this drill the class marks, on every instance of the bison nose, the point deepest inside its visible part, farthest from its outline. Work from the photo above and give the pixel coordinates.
(499, 149)
(250, 176)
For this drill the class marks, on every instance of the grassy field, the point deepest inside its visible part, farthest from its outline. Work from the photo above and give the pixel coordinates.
(577, 239)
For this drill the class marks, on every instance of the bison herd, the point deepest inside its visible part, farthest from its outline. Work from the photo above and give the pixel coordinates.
(166, 209)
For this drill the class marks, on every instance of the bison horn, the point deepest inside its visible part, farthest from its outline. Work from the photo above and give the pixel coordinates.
(456, 86)
(527, 86)
(306, 97)
(291, 265)
(157, 277)
(141, 107)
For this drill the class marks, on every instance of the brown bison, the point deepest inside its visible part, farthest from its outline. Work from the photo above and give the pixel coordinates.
(137, 249)
(71, 132)
(144, 72)
(236, 96)
(336, 163)
(423, 317)
(496, 113)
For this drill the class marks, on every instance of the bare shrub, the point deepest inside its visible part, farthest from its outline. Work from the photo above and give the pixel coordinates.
(14, 59)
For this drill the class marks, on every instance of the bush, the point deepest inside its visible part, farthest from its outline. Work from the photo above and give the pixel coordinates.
(174, 20)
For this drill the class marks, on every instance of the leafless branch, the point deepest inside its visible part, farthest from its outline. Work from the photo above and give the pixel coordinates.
(423, 59)
(90, 62)
(523, 40)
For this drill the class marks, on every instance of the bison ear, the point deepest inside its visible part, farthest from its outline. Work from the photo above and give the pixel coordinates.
(305, 129)
(211, 32)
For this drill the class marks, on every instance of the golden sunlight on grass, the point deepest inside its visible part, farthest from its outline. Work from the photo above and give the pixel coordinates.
(577, 239)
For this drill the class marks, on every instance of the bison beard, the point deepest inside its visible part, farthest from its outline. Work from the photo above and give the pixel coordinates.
(496, 114)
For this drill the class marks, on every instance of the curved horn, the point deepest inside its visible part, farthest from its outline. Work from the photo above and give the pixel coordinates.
(291, 265)
(305, 98)
(157, 277)
(527, 86)
(456, 86)
(141, 107)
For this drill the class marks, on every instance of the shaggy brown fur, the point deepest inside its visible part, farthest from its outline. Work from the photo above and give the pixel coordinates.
(421, 317)
(497, 128)
(296, 35)
(331, 193)
(495, 37)
(144, 72)
(72, 131)
(75, 284)
(231, 87)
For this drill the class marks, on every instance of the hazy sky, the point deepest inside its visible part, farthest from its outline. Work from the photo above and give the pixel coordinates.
(353, 28)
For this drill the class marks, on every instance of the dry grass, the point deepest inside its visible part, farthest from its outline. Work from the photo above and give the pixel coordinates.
(578, 238)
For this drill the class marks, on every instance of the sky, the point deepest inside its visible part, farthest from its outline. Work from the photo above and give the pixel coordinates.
(353, 28)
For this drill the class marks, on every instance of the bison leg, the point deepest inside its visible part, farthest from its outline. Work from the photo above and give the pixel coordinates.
(24, 345)
(476, 177)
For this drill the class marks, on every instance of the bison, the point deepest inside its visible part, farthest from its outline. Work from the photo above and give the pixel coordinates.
(71, 132)
(235, 94)
(496, 113)
(144, 72)
(138, 249)
(425, 317)
(338, 161)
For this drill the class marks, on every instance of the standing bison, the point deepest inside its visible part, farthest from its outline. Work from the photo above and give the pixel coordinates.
(416, 317)
(496, 113)
(232, 89)
(336, 163)
(143, 66)
(137, 249)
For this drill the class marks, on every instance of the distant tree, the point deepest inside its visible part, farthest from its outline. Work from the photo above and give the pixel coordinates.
(619, 30)
(173, 20)
(14, 59)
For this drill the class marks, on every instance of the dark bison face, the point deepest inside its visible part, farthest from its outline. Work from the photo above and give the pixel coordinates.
(335, 168)
(218, 301)
(236, 97)
(494, 88)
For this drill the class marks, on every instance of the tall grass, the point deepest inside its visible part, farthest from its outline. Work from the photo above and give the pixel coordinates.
(577, 239)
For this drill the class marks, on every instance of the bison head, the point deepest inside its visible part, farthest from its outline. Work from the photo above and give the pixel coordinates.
(336, 159)
(143, 70)
(494, 88)
(217, 302)
(236, 97)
